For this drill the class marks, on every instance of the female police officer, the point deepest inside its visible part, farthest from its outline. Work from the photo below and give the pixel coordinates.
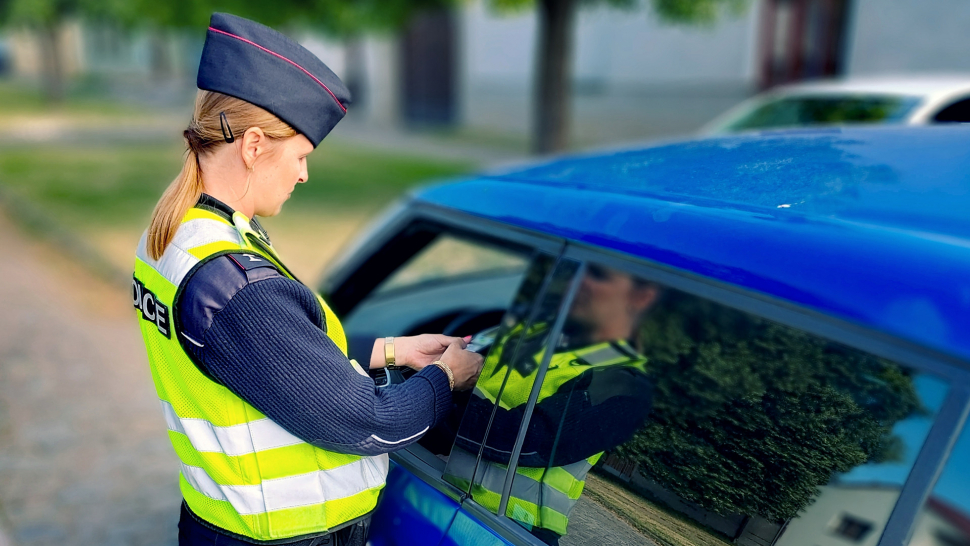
(282, 439)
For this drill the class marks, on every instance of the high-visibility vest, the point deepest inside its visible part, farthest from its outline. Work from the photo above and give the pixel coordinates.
(240, 470)
(540, 497)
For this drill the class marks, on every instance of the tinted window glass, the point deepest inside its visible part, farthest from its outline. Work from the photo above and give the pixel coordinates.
(450, 257)
(945, 518)
(664, 418)
(498, 403)
(806, 111)
(958, 112)
(454, 285)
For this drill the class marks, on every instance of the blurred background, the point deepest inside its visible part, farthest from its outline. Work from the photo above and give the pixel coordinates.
(94, 95)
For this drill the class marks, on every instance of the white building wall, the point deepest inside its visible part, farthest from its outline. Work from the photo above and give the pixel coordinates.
(635, 76)
(907, 36)
(813, 526)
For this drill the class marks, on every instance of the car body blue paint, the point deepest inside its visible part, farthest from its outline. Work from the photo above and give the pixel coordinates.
(867, 225)
(410, 512)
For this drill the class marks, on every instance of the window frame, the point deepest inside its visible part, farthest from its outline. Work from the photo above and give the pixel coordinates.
(929, 462)
(949, 421)
(949, 103)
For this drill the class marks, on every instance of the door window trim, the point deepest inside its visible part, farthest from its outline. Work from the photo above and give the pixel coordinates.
(928, 466)
(929, 462)
(946, 426)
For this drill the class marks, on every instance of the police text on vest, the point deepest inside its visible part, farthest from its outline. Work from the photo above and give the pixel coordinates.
(151, 309)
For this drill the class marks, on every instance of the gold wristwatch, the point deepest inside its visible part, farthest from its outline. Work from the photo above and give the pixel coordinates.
(389, 353)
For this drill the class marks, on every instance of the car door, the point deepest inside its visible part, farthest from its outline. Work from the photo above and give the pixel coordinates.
(666, 410)
(718, 418)
(414, 274)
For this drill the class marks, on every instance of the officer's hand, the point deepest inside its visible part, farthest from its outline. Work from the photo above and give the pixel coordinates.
(466, 365)
(419, 351)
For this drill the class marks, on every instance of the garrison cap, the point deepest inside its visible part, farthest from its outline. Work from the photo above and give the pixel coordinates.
(259, 65)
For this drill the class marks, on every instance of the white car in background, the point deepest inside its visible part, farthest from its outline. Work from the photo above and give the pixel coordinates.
(906, 100)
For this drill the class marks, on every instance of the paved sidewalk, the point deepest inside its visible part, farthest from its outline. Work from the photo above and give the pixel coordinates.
(84, 458)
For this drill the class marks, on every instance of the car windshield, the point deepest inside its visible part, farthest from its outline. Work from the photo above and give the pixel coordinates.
(824, 110)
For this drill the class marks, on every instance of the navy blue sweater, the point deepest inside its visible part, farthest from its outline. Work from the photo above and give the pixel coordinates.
(262, 336)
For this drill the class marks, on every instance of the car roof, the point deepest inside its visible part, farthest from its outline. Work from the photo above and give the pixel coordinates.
(925, 86)
(870, 225)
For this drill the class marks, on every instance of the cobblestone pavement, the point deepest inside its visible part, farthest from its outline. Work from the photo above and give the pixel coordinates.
(84, 458)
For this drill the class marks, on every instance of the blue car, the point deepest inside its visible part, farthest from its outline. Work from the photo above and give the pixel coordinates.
(754, 340)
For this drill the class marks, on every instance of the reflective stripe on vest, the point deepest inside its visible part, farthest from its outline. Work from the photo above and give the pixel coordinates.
(240, 470)
(540, 497)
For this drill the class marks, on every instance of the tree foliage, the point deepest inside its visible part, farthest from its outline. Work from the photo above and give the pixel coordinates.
(752, 417)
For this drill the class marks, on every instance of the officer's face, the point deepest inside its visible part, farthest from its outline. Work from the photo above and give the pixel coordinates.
(275, 176)
(608, 304)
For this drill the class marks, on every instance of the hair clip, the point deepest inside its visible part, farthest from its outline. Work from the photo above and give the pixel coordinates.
(224, 125)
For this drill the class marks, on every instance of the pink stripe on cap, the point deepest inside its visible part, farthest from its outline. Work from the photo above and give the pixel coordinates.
(275, 54)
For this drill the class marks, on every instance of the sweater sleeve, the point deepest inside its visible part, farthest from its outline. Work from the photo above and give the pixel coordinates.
(266, 345)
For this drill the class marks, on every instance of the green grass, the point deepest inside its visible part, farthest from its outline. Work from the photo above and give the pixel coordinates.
(346, 175)
(117, 186)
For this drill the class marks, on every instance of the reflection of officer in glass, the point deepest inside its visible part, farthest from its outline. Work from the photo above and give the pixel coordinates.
(595, 394)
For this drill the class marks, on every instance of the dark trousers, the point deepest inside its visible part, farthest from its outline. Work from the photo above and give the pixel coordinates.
(193, 532)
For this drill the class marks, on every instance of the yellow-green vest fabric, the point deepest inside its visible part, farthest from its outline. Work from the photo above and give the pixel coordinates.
(240, 471)
(540, 497)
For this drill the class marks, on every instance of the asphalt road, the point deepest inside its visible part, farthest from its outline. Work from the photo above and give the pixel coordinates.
(84, 458)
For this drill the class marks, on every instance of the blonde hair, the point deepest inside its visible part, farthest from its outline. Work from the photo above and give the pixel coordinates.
(204, 136)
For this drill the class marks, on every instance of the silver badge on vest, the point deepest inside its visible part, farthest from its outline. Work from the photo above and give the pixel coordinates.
(151, 309)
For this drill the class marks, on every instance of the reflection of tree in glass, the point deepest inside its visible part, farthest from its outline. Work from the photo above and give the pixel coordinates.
(751, 417)
(796, 111)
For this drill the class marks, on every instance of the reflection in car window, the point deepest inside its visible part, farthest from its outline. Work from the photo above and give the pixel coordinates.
(666, 418)
(507, 378)
(945, 518)
(467, 289)
(806, 111)
(449, 256)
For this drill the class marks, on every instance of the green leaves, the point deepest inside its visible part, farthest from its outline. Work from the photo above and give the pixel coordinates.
(696, 11)
(751, 417)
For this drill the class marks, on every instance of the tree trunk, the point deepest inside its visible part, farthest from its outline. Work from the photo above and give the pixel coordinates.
(355, 70)
(53, 67)
(553, 86)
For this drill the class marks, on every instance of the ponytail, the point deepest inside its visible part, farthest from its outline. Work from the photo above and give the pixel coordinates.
(181, 195)
(205, 134)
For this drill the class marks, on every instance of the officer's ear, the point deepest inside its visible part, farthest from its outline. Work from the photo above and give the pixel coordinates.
(254, 144)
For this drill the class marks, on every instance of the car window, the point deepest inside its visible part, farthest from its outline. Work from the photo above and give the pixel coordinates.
(945, 517)
(450, 257)
(825, 110)
(496, 406)
(958, 112)
(448, 283)
(664, 418)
